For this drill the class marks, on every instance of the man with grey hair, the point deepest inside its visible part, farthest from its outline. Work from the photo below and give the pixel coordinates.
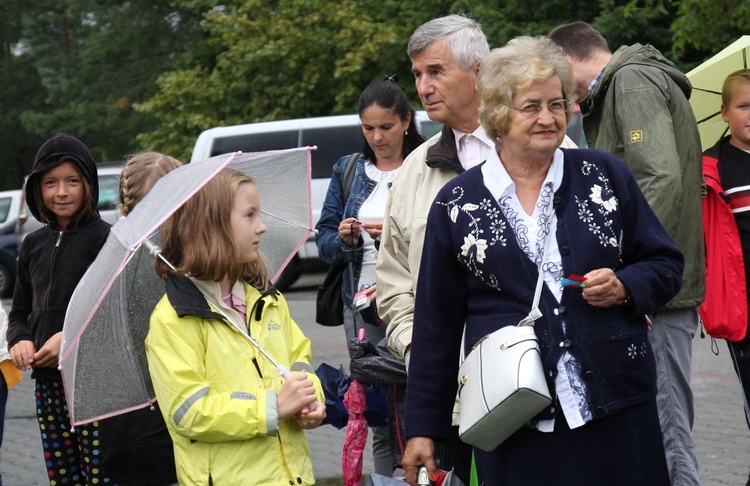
(445, 55)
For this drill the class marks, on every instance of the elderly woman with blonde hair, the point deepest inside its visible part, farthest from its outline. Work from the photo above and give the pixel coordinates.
(486, 242)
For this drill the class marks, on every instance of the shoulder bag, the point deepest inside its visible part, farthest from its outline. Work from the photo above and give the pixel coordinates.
(501, 383)
(329, 303)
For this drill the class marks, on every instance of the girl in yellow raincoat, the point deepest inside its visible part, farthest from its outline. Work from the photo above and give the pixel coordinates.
(232, 418)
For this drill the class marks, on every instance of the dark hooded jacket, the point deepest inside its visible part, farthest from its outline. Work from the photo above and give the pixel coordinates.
(640, 113)
(135, 448)
(52, 261)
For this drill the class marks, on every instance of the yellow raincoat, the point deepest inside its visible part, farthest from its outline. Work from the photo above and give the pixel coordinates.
(218, 393)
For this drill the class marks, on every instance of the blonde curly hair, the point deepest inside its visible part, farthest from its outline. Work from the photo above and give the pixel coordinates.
(506, 70)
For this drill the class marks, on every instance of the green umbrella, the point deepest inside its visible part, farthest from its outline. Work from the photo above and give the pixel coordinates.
(707, 80)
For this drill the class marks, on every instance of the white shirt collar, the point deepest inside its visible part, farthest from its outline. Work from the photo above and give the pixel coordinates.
(498, 181)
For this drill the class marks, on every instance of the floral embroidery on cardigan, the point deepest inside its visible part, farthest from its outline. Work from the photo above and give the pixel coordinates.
(604, 202)
(473, 249)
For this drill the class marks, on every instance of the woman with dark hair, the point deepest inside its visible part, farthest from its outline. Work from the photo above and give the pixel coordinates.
(351, 228)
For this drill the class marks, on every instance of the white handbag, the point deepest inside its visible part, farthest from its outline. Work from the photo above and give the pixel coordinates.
(501, 383)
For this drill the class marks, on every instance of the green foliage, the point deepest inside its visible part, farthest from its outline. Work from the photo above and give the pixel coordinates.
(95, 59)
(137, 75)
(275, 60)
(704, 27)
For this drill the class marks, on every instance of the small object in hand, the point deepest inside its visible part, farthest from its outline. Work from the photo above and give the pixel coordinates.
(574, 280)
(361, 299)
(423, 479)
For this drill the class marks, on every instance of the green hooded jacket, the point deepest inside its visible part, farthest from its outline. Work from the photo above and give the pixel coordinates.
(639, 112)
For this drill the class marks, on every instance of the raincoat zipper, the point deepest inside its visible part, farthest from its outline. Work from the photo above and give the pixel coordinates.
(52, 282)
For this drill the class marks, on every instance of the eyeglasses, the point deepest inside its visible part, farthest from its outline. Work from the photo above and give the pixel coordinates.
(556, 107)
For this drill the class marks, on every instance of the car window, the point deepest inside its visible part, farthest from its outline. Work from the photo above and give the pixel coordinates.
(256, 142)
(5, 203)
(333, 143)
(109, 192)
(430, 128)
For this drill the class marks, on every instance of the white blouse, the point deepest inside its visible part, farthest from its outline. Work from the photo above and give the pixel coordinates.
(373, 210)
(530, 231)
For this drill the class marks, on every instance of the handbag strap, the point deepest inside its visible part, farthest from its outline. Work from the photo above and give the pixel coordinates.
(535, 313)
(346, 182)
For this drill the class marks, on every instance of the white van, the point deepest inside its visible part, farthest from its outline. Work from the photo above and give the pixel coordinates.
(335, 136)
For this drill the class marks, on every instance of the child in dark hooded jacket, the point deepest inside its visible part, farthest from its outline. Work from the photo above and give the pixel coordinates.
(62, 192)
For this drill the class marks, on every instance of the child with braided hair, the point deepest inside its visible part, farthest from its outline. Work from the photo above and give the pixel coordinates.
(136, 446)
(140, 174)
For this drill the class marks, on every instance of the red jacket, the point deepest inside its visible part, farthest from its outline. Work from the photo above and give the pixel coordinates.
(724, 311)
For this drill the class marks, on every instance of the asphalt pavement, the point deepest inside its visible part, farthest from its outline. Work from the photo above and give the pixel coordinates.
(721, 433)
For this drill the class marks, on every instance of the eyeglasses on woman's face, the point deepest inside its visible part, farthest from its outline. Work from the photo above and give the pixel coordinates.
(556, 107)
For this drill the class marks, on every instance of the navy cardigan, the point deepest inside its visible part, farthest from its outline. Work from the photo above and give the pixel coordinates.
(603, 222)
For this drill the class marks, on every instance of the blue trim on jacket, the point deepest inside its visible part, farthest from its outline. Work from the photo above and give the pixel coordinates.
(456, 286)
(330, 247)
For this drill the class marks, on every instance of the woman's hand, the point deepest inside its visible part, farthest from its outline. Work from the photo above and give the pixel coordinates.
(22, 355)
(349, 231)
(372, 293)
(373, 229)
(309, 420)
(296, 392)
(419, 452)
(604, 289)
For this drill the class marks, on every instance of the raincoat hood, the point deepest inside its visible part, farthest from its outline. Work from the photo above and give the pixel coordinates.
(638, 54)
(61, 147)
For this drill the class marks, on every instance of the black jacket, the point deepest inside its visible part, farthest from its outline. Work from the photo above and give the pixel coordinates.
(51, 262)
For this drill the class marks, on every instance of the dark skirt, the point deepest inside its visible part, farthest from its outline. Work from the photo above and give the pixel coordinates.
(623, 449)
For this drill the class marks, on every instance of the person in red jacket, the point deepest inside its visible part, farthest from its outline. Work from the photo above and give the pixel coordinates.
(726, 213)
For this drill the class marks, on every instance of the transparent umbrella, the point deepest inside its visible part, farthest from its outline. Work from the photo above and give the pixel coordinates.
(102, 356)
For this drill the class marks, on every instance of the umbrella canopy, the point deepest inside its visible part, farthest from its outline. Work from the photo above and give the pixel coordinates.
(102, 356)
(707, 80)
(356, 434)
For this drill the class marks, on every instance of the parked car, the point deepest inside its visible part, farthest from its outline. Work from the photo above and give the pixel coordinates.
(10, 205)
(334, 136)
(109, 187)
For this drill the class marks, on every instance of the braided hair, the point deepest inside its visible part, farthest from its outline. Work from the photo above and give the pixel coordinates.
(140, 174)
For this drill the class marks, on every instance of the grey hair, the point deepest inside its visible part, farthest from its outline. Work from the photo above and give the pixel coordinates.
(523, 61)
(463, 37)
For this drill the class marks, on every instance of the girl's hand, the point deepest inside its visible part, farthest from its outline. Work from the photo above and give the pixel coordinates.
(373, 229)
(349, 231)
(48, 355)
(296, 392)
(309, 420)
(22, 355)
(604, 289)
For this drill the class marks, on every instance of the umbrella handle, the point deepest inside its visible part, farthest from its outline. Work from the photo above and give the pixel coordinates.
(286, 374)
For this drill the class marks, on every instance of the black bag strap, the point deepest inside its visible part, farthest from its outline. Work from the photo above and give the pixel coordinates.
(346, 183)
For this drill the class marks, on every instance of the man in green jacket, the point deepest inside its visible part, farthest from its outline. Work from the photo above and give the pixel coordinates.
(635, 106)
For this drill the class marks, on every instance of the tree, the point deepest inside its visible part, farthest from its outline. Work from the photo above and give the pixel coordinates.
(275, 60)
(95, 59)
(21, 89)
(704, 27)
